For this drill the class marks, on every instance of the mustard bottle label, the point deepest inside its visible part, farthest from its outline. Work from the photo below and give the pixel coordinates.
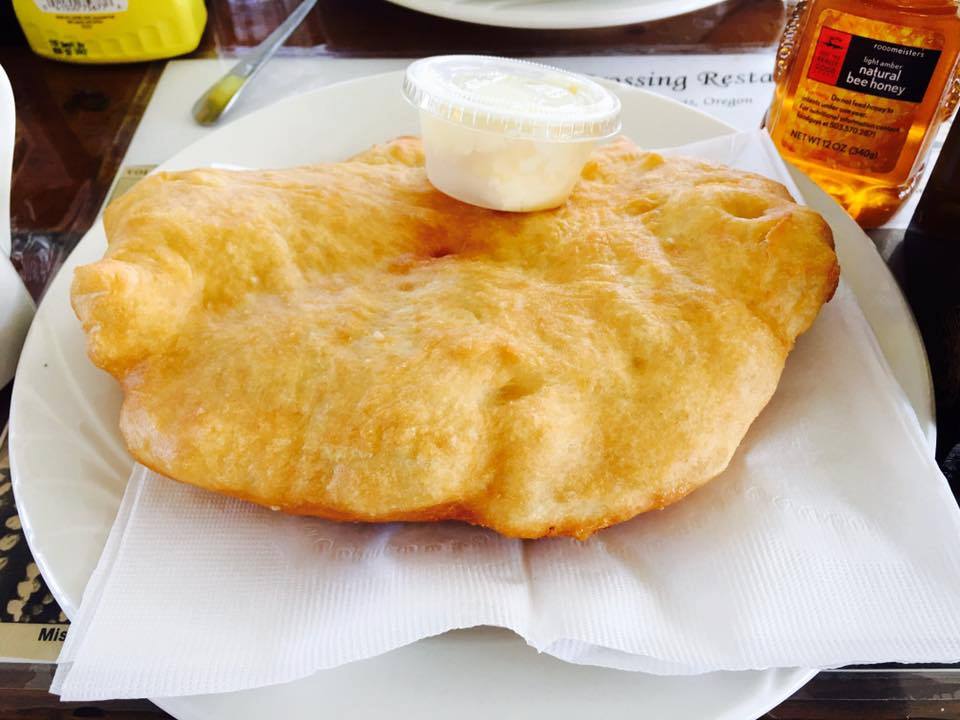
(81, 7)
(858, 94)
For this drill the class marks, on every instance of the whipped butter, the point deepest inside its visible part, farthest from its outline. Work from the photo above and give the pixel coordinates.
(507, 134)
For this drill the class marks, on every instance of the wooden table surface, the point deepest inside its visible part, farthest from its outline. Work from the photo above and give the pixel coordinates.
(74, 126)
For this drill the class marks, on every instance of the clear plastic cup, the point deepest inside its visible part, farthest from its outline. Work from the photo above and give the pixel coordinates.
(507, 134)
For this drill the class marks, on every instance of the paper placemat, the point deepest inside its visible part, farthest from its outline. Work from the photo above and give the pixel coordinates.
(32, 627)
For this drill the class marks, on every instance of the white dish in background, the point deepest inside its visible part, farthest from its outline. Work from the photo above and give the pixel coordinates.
(555, 14)
(8, 134)
(70, 467)
(16, 311)
(16, 305)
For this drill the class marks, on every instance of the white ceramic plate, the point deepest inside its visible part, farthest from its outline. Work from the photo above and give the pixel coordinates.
(70, 467)
(555, 14)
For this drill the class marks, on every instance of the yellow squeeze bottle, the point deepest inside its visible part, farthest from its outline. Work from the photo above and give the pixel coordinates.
(111, 31)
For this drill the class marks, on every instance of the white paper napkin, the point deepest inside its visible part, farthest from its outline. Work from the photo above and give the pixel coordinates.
(831, 539)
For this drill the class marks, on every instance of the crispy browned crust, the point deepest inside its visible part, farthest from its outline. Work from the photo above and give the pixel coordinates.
(343, 341)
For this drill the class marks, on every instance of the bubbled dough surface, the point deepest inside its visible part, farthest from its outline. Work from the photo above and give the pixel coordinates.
(342, 340)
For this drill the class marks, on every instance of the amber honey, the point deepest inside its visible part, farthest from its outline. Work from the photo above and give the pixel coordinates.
(861, 89)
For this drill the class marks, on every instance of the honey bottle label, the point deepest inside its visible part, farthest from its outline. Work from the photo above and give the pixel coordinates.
(861, 87)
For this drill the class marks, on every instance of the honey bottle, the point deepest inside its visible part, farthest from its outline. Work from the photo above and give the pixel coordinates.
(861, 89)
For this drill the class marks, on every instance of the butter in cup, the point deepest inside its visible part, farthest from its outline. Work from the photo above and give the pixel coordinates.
(507, 134)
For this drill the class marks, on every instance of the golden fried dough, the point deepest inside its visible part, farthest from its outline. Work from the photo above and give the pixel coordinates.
(342, 340)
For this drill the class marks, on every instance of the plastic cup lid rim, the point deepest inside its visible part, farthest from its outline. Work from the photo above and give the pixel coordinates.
(516, 97)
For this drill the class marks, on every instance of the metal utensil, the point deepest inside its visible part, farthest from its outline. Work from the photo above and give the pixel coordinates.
(220, 96)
